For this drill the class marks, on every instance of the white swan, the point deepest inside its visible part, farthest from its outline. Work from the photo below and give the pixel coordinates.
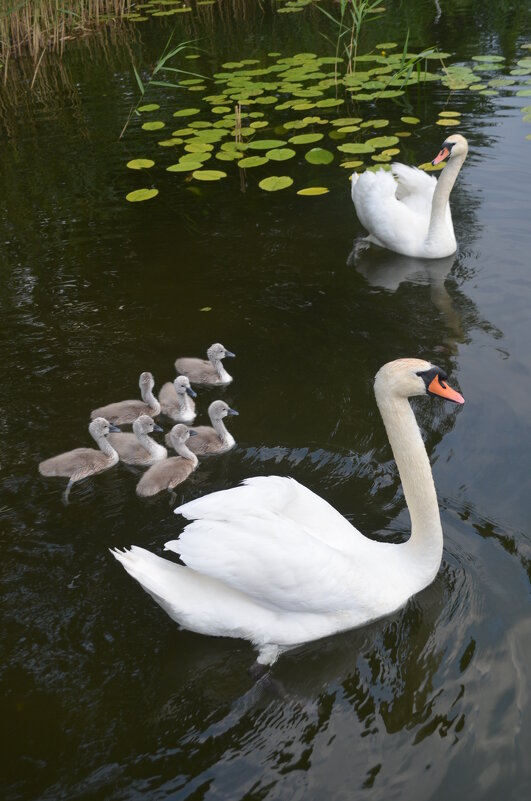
(275, 564)
(407, 210)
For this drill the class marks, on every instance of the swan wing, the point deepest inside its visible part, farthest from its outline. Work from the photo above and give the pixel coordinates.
(274, 561)
(414, 187)
(281, 496)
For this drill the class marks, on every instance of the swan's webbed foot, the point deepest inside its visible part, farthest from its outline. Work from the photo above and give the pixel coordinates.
(359, 246)
(66, 493)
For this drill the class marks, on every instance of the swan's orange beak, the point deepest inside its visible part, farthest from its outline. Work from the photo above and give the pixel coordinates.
(441, 156)
(438, 387)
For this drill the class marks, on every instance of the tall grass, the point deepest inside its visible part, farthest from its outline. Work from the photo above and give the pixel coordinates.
(34, 26)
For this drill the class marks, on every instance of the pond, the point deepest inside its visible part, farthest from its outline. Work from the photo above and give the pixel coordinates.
(104, 697)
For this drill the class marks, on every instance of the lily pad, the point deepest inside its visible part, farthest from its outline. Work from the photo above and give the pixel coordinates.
(313, 190)
(410, 120)
(447, 121)
(356, 147)
(140, 164)
(209, 175)
(141, 194)
(185, 166)
(275, 182)
(351, 165)
(382, 141)
(266, 144)
(318, 155)
(280, 154)
(153, 126)
(306, 139)
(149, 107)
(252, 161)
(186, 112)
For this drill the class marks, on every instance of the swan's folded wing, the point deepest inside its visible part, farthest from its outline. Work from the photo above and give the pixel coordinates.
(414, 187)
(282, 496)
(276, 562)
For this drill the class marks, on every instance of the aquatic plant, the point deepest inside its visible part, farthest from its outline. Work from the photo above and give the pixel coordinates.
(161, 66)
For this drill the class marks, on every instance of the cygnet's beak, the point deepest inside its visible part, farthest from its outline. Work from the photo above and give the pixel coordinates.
(157, 427)
(233, 411)
(114, 429)
(230, 354)
(190, 391)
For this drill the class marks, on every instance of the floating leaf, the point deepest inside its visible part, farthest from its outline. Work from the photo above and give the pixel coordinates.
(184, 166)
(141, 194)
(206, 309)
(252, 161)
(329, 102)
(386, 45)
(153, 126)
(313, 190)
(429, 167)
(346, 129)
(447, 121)
(318, 155)
(186, 112)
(356, 147)
(350, 165)
(410, 120)
(140, 164)
(382, 141)
(275, 182)
(306, 139)
(209, 175)
(374, 124)
(449, 113)
(266, 144)
(198, 147)
(149, 107)
(280, 154)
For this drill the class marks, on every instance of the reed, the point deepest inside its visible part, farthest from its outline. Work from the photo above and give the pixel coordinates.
(34, 26)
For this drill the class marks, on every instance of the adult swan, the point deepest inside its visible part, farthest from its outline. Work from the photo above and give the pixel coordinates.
(273, 563)
(407, 210)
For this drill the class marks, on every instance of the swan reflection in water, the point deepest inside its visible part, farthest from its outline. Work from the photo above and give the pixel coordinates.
(388, 270)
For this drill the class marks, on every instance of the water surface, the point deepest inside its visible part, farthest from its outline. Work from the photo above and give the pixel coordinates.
(103, 696)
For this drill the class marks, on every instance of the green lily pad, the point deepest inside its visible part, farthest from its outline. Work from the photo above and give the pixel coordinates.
(140, 164)
(209, 175)
(252, 161)
(266, 144)
(198, 147)
(186, 112)
(149, 107)
(447, 121)
(141, 194)
(410, 120)
(374, 124)
(329, 102)
(356, 147)
(275, 182)
(186, 166)
(449, 113)
(306, 139)
(280, 154)
(318, 155)
(153, 126)
(382, 141)
(351, 165)
(313, 190)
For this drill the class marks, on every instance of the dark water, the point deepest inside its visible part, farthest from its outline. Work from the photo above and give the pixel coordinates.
(103, 697)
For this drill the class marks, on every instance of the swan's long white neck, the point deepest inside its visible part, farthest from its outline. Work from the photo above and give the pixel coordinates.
(217, 364)
(149, 398)
(426, 541)
(152, 447)
(184, 402)
(105, 447)
(441, 195)
(183, 450)
(222, 432)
